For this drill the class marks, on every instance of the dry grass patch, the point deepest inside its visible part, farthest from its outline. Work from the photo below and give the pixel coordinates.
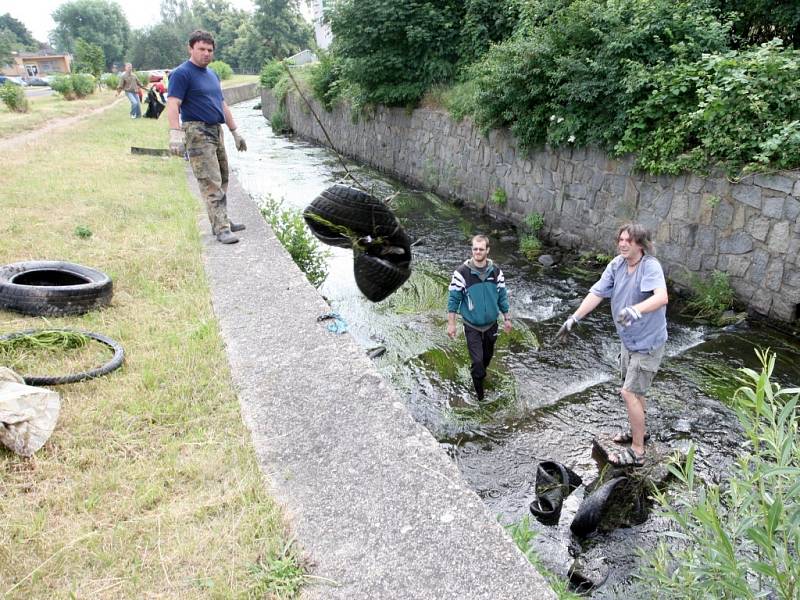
(239, 80)
(48, 108)
(149, 487)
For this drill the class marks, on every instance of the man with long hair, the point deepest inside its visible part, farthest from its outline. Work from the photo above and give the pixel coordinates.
(634, 281)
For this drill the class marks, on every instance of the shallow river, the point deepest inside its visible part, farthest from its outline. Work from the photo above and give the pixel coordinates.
(547, 401)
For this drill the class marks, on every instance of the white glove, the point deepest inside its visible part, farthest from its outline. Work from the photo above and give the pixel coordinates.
(177, 142)
(241, 145)
(566, 328)
(628, 316)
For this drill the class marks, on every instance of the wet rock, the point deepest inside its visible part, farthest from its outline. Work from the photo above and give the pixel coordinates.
(547, 260)
(376, 351)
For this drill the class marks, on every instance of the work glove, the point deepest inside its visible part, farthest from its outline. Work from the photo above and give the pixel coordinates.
(566, 328)
(241, 145)
(177, 142)
(628, 316)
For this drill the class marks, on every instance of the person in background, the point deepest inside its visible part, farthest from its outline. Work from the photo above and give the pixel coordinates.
(478, 291)
(130, 84)
(634, 281)
(196, 110)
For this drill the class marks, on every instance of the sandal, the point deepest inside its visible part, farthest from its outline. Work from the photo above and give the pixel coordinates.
(627, 458)
(626, 437)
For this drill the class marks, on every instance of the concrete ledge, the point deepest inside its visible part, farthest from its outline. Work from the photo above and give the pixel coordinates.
(240, 93)
(378, 506)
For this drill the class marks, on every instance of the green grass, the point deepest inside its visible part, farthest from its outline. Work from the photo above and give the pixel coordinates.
(149, 486)
(239, 80)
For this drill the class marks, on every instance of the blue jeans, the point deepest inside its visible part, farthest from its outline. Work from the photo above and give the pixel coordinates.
(136, 108)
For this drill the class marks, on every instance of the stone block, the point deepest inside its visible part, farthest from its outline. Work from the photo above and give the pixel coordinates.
(791, 277)
(791, 208)
(778, 183)
(706, 238)
(773, 206)
(709, 262)
(774, 275)
(796, 189)
(758, 266)
(785, 305)
(758, 228)
(694, 261)
(747, 194)
(760, 301)
(723, 215)
(739, 217)
(680, 207)
(695, 184)
(738, 265)
(738, 243)
(778, 240)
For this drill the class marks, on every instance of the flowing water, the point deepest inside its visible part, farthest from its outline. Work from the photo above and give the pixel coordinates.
(546, 401)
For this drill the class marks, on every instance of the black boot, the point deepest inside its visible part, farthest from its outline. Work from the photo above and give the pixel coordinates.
(478, 388)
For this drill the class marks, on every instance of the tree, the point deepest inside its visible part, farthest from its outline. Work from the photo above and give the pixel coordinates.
(23, 37)
(98, 22)
(89, 58)
(281, 27)
(162, 46)
(223, 21)
(7, 40)
(394, 50)
(759, 21)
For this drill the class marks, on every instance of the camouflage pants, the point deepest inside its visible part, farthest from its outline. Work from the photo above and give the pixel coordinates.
(206, 149)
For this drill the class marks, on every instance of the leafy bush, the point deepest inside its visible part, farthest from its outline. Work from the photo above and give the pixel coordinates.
(290, 229)
(63, 85)
(394, 51)
(324, 80)
(534, 221)
(711, 298)
(530, 246)
(485, 22)
(13, 96)
(83, 84)
(570, 75)
(75, 86)
(222, 69)
(738, 109)
(271, 72)
(499, 197)
(740, 539)
(110, 80)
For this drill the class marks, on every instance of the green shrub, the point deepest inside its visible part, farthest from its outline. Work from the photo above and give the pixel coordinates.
(110, 80)
(290, 229)
(530, 246)
(222, 69)
(324, 80)
(737, 109)
(571, 72)
(271, 72)
(739, 539)
(394, 51)
(499, 197)
(83, 84)
(13, 97)
(63, 85)
(711, 298)
(279, 122)
(74, 86)
(143, 77)
(534, 221)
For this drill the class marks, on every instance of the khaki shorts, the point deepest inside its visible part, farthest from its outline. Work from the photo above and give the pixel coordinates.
(639, 369)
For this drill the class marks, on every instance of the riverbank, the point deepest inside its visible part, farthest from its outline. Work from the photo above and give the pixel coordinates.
(149, 486)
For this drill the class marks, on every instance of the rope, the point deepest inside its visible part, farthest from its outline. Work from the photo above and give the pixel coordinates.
(325, 131)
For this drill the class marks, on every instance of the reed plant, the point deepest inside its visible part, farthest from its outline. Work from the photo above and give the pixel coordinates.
(739, 539)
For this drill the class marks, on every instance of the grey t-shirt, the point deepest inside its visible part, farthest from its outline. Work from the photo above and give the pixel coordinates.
(626, 289)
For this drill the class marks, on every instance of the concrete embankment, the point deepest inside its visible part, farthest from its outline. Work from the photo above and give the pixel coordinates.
(377, 505)
(240, 93)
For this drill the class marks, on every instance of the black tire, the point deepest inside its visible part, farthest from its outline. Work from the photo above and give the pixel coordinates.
(111, 365)
(352, 209)
(593, 508)
(53, 288)
(377, 278)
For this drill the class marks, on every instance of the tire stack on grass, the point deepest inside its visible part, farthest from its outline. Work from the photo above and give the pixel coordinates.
(346, 217)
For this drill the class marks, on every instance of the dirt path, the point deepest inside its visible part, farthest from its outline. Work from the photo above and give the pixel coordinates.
(30, 137)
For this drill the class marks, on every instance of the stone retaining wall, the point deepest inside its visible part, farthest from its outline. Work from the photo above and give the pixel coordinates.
(749, 229)
(240, 93)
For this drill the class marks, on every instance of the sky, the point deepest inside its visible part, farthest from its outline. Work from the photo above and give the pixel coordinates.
(35, 14)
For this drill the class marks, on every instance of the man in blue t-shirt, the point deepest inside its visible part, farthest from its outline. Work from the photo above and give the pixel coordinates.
(196, 110)
(635, 283)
